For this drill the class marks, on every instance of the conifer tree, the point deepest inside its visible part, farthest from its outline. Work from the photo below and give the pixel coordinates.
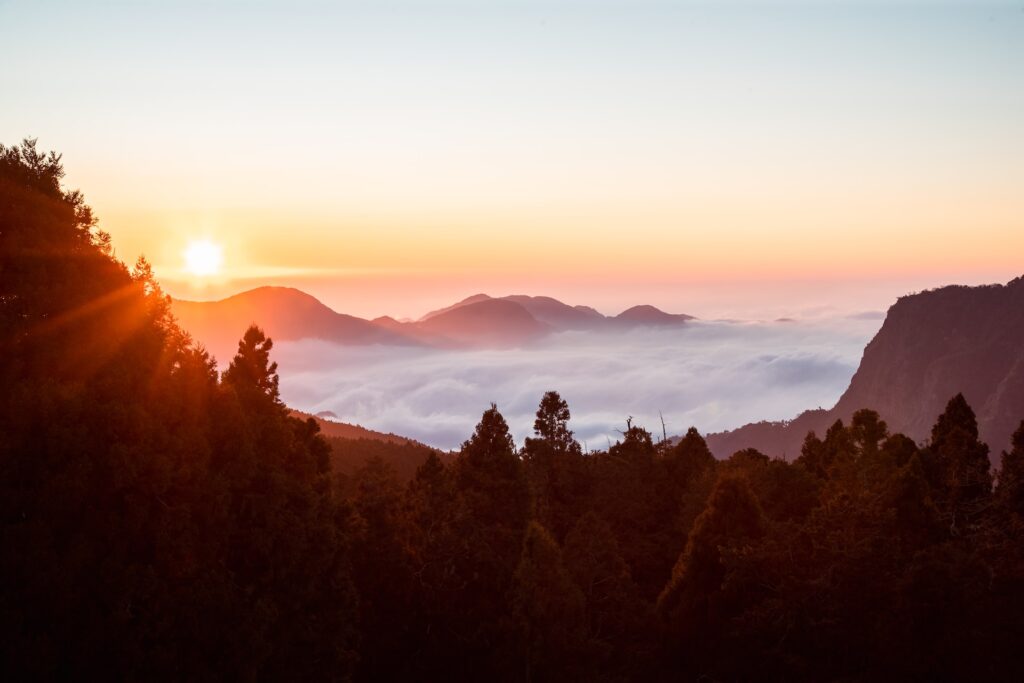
(868, 431)
(691, 602)
(614, 608)
(959, 463)
(688, 459)
(910, 497)
(548, 608)
(1010, 492)
(812, 456)
(554, 466)
(381, 569)
(491, 512)
(490, 474)
(251, 373)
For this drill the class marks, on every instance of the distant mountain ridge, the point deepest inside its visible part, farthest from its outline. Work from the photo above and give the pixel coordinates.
(932, 345)
(288, 314)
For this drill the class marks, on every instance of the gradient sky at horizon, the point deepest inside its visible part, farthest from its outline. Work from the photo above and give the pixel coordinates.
(392, 157)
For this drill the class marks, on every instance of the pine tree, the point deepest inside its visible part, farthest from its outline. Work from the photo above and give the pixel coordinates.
(1010, 492)
(491, 512)
(552, 423)
(251, 373)
(691, 603)
(958, 463)
(381, 568)
(614, 608)
(554, 466)
(548, 608)
(910, 496)
(688, 459)
(868, 431)
(490, 473)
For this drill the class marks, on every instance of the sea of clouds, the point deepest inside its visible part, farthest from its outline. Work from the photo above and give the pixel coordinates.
(711, 375)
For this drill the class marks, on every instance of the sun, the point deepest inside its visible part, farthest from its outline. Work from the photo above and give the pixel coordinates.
(203, 257)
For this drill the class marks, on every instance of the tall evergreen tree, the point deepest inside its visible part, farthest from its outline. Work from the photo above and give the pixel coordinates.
(382, 572)
(958, 463)
(1010, 492)
(693, 604)
(251, 373)
(554, 466)
(688, 459)
(548, 608)
(492, 510)
(617, 617)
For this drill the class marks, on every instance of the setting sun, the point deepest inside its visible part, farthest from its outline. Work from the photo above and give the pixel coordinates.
(203, 258)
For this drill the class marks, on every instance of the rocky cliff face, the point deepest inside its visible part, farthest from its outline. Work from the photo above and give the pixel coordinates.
(931, 346)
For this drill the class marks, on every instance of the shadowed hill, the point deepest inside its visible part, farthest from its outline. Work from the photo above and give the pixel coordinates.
(353, 446)
(562, 316)
(480, 320)
(476, 298)
(649, 315)
(344, 430)
(931, 346)
(558, 315)
(283, 312)
(491, 322)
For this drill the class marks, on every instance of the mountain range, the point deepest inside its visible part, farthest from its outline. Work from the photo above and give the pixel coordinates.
(479, 321)
(931, 346)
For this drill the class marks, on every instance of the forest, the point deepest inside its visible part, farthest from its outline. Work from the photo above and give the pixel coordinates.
(163, 518)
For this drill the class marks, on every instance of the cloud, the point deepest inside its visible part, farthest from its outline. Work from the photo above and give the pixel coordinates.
(710, 375)
(867, 315)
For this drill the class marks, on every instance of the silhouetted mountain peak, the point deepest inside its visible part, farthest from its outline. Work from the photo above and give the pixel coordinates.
(488, 321)
(284, 313)
(476, 298)
(645, 314)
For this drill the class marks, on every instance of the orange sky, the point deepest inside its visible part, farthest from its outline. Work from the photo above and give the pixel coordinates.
(389, 161)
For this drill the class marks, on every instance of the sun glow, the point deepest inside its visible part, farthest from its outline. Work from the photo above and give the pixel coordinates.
(203, 258)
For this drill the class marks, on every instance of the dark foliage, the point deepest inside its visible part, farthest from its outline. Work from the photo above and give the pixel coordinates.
(154, 522)
(161, 521)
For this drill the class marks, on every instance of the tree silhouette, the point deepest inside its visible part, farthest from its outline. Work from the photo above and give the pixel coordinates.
(251, 373)
(958, 463)
(548, 607)
(693, 604)
(1011, 475)
(160, 521)
(554, 466)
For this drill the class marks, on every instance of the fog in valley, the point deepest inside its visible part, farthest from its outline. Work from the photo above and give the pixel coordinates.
(712, 375)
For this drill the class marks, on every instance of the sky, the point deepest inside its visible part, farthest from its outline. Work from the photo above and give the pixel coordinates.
(719, 159)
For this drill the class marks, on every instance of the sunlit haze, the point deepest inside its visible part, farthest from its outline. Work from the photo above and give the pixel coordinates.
(203, 258)
(713, 158)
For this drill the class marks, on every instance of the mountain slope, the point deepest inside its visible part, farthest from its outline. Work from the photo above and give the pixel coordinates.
(476, 298)
(931, 346)
(477, 321)
(343, 430)
(490, 322)
(558, 315)
(283, 313)
(649, 315)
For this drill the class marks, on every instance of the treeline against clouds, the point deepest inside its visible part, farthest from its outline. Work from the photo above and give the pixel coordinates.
(163, 520)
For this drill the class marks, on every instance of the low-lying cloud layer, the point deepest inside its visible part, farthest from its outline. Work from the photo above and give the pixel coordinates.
(712, 375)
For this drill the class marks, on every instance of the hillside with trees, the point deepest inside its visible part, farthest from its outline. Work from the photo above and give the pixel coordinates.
(932, 345)
(161, 518)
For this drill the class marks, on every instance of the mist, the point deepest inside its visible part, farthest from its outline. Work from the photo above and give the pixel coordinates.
(711, 375)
